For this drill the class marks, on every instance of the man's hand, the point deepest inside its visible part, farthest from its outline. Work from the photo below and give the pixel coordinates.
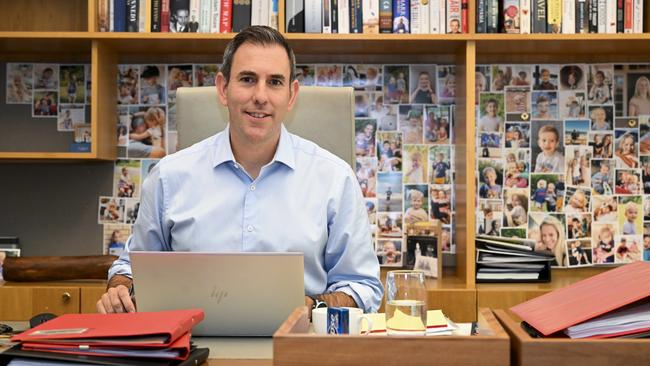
(334, 299)
(117, 298)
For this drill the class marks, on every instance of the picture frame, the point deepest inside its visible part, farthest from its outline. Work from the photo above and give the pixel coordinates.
(424, 248)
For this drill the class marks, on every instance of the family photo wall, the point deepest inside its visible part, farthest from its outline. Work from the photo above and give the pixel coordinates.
(403, 140)
(564, 159)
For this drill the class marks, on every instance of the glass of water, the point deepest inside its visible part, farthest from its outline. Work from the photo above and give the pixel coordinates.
(406, 303)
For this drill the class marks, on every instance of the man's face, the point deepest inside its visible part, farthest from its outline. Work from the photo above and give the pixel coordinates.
(259, 93)
(182, 16)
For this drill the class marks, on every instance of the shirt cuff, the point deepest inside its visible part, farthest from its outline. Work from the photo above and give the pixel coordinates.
(359, 293)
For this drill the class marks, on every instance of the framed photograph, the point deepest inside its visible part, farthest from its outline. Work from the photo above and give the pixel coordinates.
(423, 252)
(83, 133)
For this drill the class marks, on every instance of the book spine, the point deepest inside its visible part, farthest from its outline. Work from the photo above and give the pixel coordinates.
(620, 20)
(524, 16)
(132, 16)
(204, 16)
(273, 14)
(582, 16)
(370, 15)
(464, 16)
(356, 18)
(111, 16)
(295, 16)
(481, 16)
(610, 26)
(629, 16)
(416, 17)
(256, 12)
(313, 18)
(539, 17)
(401, 16)
(164, 16)
(385, 16)
(144, 14)
(454, 15)
(225, 24)
(637, 20)
(344, 16)
(120, 15)
(593, 16)
(510, 15)
(442, 5)
(195, 16)
(103, 15)
(241, 15)
(554, 16)
(434, 16)
(568, 17)
(155, 16)
(492, 16)
(326, 16)
(602, 16)
(334, 16)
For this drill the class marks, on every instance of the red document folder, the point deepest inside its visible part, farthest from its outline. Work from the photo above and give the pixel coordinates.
(115, 329)
(587, 299)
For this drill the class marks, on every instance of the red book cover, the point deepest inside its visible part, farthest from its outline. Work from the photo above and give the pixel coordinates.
(164, 16)
(464, 16)
(226, 16)
(628, 13)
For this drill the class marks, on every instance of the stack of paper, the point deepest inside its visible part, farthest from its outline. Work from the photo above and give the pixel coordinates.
(630, 320)
(510, 260)
(437, 323)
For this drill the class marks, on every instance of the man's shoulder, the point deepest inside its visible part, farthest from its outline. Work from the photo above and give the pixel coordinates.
(310, 152)
(200, 152)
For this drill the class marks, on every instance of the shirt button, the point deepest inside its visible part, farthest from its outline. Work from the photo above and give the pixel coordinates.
(252, 188)
(249, 228)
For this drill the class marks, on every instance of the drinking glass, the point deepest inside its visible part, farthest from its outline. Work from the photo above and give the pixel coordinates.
(406, 303)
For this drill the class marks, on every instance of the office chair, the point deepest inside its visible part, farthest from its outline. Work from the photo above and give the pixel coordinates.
(322, 115)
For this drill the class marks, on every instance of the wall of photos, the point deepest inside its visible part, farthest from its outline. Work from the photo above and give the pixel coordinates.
(403, 137)
(564, 159)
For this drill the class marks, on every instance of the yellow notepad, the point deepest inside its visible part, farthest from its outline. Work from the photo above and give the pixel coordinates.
(435, 318)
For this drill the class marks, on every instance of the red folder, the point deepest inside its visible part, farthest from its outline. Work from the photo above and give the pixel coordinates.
(587, 299)
(115, 329)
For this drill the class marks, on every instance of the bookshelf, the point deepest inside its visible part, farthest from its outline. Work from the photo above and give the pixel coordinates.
(67, 31)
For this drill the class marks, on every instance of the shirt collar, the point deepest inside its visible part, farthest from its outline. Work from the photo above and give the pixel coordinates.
(283, 154)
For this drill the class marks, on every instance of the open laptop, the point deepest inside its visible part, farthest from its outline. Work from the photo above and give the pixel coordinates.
(242, 294)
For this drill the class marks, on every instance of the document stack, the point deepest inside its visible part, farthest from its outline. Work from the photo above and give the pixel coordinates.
(155, 338)
(510, 260)
(612, 304)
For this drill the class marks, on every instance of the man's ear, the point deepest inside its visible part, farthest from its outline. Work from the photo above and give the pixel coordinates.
(293, 89)
(222, 85)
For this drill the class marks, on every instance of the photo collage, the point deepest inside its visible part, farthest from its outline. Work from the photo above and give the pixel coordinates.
(60, 91)
(564, 159)
(403, 138)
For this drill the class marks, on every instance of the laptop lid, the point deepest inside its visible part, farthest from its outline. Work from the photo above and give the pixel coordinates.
(242, 294)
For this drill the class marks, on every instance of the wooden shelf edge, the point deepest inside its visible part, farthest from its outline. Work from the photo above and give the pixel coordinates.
(50, 156)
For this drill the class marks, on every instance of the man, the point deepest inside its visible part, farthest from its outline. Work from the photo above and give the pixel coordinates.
(180, 24)
(256, 187)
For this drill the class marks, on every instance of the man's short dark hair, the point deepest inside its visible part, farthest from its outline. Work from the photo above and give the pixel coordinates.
(257, 35)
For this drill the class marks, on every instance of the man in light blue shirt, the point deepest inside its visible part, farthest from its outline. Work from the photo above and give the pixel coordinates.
(257, 188)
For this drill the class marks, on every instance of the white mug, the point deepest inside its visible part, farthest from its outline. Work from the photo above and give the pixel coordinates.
(356, 317)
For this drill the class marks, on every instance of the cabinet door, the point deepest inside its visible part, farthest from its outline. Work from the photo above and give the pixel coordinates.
(89, 297)
(22, 303)
(15, 303)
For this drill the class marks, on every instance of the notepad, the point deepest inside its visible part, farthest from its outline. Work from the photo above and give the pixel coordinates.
(435, 319)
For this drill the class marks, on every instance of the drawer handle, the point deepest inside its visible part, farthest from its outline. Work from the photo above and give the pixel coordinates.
(66, 296)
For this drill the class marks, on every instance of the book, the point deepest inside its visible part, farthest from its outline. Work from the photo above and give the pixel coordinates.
(313, 16)
(454, 16)
(344, 16)
(568, 17)
(205, 9)
(164, 16)
(524, 16)
(241, 15)
(538, 24)
(492, 12)
(507, 243)
(582, 16)
(501, 259)
(385, 16)
(401, 16)
(510, 15)
(356, 18)
(132, 15)
(554, 16)
(103, 15)
(370, 15)
(120, 15)
(295, 16)
(434, 16)
(637, 18)
(326, 16)
(155, 15)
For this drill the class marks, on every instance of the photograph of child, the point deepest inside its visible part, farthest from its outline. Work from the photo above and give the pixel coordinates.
(501, 77)
(364, 140)
(152, 79)
(626, 153)
(389, 151)
(115, 236)
(545, 105)
(126, 178)
(517, 135)
(602, 144)
(604, 208)
(385, 114)
(548, 232)
(422, 79)
(367, 176)
(20, 83)
(638, 94)
(422, 254)
(45, 103)
(579, 226)
(645, 171)
(546, 193)
(630, 220)
(416, 163)
(411, 123)
(482, 81)
(329, 75)
(603, 243)
(306, 75)
(600, 83)
(576, 131)
(602, 118)
(389, 191)
(440, 159)
(362, 77)
(646, 242)
(371, 208)
(147, 132)
(515, 213)
(644, 133)
(390, 224)
(489, 217)
(72, 84)
(205, 75)
(111, 210)
(441, 203)
(602, 177)
(491, 112)
(547, 150)
(177, 76)
(572, 77)
(577, 200)
(362, 104)
(572, 104)
(70, 115)
(628, 248)
(579, 253)
(131, 209)
(628, 182)
(416, 203)
(545, 77)
(516, 171)
(520, 75)
(128, 79)
(490, 178)
(389, 252)
(578, 166)
(446, 84)
(396, 84)
(83, 133)
(46, 76)
(518, 101)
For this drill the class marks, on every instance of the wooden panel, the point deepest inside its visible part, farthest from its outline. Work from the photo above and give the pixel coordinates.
(458, 305)
(55, 300)
(89, 297)
(15, 303)
(215, 362)
(576, 352)
(44, 15)
(506, 299)
(103, 115)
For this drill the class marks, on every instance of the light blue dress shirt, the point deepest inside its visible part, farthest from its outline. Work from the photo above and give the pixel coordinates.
(305, 200)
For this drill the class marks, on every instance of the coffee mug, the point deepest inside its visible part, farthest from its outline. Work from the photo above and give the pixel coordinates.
(355, 319)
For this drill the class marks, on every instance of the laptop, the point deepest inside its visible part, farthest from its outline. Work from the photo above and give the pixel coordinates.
(242, 294)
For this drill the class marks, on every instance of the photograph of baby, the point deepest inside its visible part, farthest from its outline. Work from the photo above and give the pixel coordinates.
(482, 82)
(515, 212)
(416, 164)
(579, 252)
(46, 76)
(572, 104)
(20, 83)
(547, 150)
(577, 200)
(411, 123)
(389, 191)
(548, 231)
(630, 219)
(389, 252)
(441, 197)
(446, 84)
(517, 135)
(604, 208)
(416, 203)
(547, 192)
(603, 243)
(491, 112)
(545, 105)
(602, 177)
(600, 82)
(490, 185)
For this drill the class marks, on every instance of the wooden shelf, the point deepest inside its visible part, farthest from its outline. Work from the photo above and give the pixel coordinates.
(51, 156)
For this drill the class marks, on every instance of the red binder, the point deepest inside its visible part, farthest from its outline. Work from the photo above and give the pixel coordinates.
(120, 330)
(587, 299)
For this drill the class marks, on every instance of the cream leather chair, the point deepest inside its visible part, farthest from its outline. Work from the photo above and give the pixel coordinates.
(322, 115)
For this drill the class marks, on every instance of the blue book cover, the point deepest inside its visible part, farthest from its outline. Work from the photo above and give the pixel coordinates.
(401, 16)
(119, 12)
(80, 147)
